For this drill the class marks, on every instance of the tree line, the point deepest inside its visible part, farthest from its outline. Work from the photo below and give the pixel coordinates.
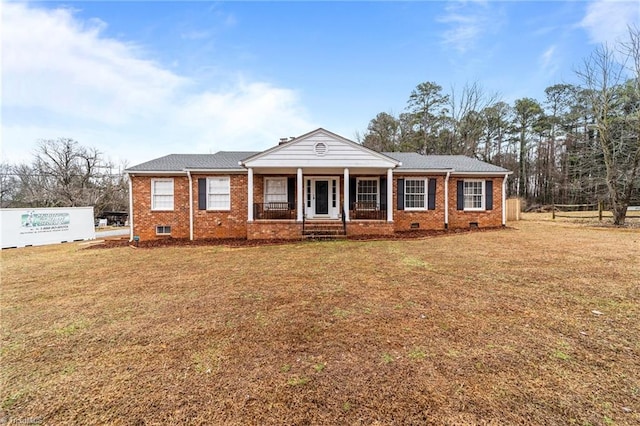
(579, 144)
(64, 174)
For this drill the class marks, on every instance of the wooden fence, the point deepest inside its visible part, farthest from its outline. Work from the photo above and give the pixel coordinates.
(514, 207)
(588, 211)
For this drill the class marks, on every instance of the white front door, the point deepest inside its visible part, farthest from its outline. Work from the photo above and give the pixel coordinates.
(322, 197)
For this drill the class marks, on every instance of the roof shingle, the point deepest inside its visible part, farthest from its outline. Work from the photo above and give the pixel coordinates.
(224, 160)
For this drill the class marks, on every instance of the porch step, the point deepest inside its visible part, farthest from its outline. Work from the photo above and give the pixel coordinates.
(323, 230)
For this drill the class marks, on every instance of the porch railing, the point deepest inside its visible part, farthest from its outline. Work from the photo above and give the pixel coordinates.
(368, 210)
(274, 210)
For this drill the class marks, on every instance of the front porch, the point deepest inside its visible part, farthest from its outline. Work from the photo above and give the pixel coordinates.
(328, 196)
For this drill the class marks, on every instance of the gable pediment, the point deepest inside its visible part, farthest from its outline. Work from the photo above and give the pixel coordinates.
(320, 148)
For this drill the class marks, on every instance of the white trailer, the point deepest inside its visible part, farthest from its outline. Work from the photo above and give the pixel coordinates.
(40, 226)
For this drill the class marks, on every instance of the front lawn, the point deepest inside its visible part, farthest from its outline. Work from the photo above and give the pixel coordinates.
(533, 325)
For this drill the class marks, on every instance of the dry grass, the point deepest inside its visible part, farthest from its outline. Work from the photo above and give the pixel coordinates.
(480, 328)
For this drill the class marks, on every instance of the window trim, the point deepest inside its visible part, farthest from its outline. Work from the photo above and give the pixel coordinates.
(165, 229)
(228, 179)
(426, 193)
(286, 188)
(153, 194)
(377, 179)
(483, 196)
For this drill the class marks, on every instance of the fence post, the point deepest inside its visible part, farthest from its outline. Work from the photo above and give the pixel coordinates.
(600, 203)
(553, 211)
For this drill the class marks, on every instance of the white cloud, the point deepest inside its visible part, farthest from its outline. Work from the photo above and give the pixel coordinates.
(468, 21)
(63, 77)
(606, 21)
(548, 60)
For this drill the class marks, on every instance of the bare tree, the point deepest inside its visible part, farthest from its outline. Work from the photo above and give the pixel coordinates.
(66, 174)
(613, 100)
(467, 122)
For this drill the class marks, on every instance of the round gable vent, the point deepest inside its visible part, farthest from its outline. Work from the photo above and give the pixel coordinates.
(320, 148)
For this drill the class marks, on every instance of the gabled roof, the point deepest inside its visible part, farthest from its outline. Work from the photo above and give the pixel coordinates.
(180, 162)
(336, 151)
(457, 163)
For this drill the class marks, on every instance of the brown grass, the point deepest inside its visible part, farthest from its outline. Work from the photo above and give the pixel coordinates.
(478, 328)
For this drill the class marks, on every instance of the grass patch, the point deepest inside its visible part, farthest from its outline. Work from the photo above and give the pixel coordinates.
(473, 328)
(298, 381)
(417, 354)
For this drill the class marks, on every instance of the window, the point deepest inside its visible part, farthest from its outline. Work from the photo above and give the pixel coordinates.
(161, 194)
(334, 193)
(275, 190)
(218, 193)
(474, 195)
(367, 194)
(163, 230)
(415, 194)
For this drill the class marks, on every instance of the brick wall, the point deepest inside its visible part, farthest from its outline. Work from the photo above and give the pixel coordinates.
(222, 224)
(369, 227)
(274, 229)
(484, 219)
(233, 223)
(426, 219)
(145, 220)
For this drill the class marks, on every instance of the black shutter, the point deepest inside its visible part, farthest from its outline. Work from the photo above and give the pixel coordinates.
(291, 192)
(488, 186)
(352, 192)
(383, 193)
(432, 194)
(460, 195)
(400, 194)
(202, 194)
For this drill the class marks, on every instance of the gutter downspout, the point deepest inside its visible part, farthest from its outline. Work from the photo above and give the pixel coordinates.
(190, 206)
(446, 201)
(129, 175)
(504, 200)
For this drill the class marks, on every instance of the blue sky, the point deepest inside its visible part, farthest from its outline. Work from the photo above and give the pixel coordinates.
(139, 80)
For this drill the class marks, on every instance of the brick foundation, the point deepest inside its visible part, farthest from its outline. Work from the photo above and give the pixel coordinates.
(369, 227)
(274, 229)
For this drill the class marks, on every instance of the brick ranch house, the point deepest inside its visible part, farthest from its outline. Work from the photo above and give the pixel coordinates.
(317, 182)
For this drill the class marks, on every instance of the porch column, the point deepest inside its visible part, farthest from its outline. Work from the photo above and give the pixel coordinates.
(250, 195)
(346, 195)
(300, 197)
(389, 195)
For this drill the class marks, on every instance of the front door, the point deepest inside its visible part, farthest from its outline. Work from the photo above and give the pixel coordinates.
(322, 197)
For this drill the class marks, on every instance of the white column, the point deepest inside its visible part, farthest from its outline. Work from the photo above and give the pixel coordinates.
(389, 195)
(346, 195)
(300, 197)
(250, 195)
(446, 201)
